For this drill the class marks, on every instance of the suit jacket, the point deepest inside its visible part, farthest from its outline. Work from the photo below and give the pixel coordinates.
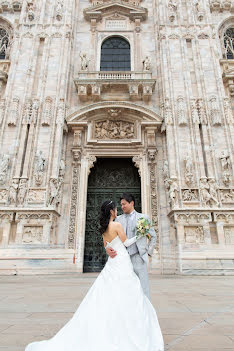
(143, 246)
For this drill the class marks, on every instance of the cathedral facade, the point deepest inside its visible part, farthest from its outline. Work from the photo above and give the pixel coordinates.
(104, 96)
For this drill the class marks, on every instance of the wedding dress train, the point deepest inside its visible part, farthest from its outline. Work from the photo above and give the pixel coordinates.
(115, 315)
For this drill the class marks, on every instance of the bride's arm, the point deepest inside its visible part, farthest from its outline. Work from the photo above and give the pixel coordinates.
(123, 237)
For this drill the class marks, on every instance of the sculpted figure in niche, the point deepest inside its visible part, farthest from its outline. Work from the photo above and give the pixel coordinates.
(146, 64)
(213, 191)
(84, 65)
(59, 10)
(13, 115)
(54, 188)
(13, 191)
(166, 174)
(204, 191)
(173, 193)
(4, 165)
(22, 191)
(226, 167)
(182, 113)
(39, 168)
(215, 112)
(188, 170)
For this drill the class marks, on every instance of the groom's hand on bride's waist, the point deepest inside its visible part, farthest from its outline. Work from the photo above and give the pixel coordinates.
(111, 252)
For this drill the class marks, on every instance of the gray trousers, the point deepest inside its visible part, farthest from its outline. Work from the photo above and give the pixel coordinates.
(140, 268)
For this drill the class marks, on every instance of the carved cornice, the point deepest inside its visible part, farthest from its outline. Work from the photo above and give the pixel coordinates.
(221, 5)
(191, 217)
(99, 11)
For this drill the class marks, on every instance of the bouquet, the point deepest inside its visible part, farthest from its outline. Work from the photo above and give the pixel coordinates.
(143, 227)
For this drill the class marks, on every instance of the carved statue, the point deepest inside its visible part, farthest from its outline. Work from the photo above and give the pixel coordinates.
(146, 64)
(61, 112)
(31, 10)
(215, 112)
(182, 115)
(195, 115)
(114, 130)
(172, 9)
(84, 62)
(14, 112)
(54, 189)
(226, 167)
(39, 168)
(213, 190)
(22, 191)
(204, 191)
(166, 175)
(167, 112)
(4, 165)
(188, 174)
(13, 191)
(228, 111)
(47, 114)
(173, 193)
(59, 10)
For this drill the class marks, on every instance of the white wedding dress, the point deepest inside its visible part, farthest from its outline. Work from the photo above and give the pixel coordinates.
(115, 315)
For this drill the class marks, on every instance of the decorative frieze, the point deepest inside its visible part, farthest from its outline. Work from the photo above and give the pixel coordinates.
(32, 234)
(221, 5)
(225, 217)
(191, 217)
(227, 196)
(114, 129)
(36, 196)
(190, 195)
(194, 235)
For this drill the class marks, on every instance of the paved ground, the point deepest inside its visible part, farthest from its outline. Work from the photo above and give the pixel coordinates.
(195, 313)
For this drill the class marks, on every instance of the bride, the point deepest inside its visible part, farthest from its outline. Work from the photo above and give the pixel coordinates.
(115, 315)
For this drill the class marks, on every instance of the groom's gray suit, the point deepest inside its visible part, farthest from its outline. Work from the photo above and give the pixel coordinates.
(141, 249)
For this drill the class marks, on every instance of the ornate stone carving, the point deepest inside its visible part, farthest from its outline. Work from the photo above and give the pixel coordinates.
(154, 193)
(167, 112)
(59, 10)
(172, 10)
(146, 64)
(221, 5)
(115, 129)
(114, 112)
(190, 195)
(3, 195)
(84, 61)
(32, 234)
(173, 193)
(39, 168)
(229, 235)
(31, 10)
(61, 113)
(23, 188)
(215, 112)
(137, 162)
(47, 112)
(181, 112)
(227, 195)
(14, 112)
(192, 217)
(226, 167)
(224, 217)
(4, 166)
(188, 170)
(74, 197)
(204, 191)
(36, 196)
(91, 160)
(228, 111)
(194, 235)
(54, 192)
(35, 108)
(166, 175)
(27, 119)
(201, 111)
(208, 192)
(200, 10)
(194, 111)
(2, 110)
(213, 187)
(13, 189)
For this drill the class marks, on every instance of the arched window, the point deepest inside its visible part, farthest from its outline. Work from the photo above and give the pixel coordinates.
(4, 42)
(115, 55)
(229, 44)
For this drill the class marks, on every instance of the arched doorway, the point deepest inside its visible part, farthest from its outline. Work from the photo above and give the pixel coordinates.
(108, 180)
(115, 55)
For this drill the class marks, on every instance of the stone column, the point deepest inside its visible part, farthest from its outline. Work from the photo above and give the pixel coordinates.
(6, 221)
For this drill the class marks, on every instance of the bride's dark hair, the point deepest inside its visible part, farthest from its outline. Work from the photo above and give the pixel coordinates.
(105, 214)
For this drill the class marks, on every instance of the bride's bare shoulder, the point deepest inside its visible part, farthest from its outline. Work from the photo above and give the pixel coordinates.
(114, 225)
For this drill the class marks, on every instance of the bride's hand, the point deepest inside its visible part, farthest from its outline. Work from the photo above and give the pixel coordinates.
(111, 252)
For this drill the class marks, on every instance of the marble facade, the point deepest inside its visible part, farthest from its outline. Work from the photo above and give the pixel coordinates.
(172, 114)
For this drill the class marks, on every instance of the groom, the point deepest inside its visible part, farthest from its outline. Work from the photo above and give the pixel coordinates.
(140, 250)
